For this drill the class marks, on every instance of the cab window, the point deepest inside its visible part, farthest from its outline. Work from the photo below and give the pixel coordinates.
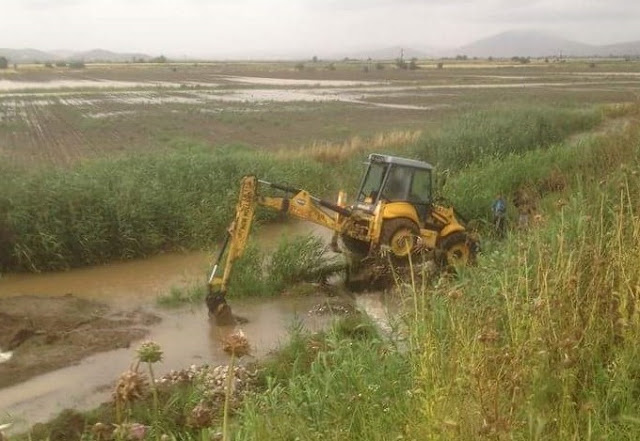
(396, 187)
(372, 182)
(420, 187)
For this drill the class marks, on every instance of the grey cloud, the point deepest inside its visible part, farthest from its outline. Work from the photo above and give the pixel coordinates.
(208, 27)
(43, 4)
(523, 15)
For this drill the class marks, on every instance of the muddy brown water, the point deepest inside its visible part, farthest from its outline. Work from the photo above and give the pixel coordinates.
(139, 282)
(186, 335)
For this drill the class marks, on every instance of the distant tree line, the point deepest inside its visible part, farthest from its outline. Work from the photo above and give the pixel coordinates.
(411, 65)
(160, 59)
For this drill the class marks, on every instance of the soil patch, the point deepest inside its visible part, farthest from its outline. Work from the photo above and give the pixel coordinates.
(47, 333)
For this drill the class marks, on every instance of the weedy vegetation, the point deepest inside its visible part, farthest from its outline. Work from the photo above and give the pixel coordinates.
(192, 294)
(295, 260)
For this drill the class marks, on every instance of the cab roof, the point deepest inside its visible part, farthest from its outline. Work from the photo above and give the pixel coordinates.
(388, 159)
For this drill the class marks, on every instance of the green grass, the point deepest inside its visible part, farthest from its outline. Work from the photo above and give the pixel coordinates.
(537, 342)
(500, 132)
(346, 384)
(541, 171)
(130, 207)
(260, 273)
(179, 296)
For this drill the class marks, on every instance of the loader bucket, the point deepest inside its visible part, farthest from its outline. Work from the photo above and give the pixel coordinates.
(219, 309)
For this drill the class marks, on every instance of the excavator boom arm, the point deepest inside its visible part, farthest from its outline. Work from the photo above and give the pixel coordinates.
(302, 205)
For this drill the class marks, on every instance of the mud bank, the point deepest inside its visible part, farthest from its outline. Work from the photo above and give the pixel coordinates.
(46, 333)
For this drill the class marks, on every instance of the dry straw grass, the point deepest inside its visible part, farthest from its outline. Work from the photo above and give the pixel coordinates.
(334, 153)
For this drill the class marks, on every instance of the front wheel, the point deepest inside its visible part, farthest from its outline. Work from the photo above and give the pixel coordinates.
(458, 249)
(401, 236)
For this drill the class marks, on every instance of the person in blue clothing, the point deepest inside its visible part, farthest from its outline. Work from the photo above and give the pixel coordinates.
(499, 211)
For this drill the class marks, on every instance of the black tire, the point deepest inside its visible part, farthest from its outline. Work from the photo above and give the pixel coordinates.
(394, 234)
(355, 246)
(457, 249)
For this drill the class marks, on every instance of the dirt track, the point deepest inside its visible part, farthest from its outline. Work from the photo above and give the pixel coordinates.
(47, 333)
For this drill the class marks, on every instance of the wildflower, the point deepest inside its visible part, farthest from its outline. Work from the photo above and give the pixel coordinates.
(454, 294)
(5, 356)
(236, 344)
(130, 431)
(102, 431)
(137, 431)
(201, 415)
(150, 352)
(560, 203)
(131, 386)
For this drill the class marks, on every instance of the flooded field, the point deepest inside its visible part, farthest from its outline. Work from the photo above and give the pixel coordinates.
(62, 116)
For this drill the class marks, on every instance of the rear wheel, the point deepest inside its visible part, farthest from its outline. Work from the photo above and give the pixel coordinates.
(457, 250)
(401, 236)
(355, 246)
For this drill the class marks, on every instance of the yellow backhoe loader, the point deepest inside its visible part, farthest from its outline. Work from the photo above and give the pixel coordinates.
(393, 212)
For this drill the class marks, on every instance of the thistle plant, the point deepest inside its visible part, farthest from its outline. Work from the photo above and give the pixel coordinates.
(150, 352)
(131, 386)
(237, 345)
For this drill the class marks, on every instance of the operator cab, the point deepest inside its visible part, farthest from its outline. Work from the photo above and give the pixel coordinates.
(393, 179)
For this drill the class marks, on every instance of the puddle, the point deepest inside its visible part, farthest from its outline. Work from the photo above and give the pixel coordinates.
(296, 82)
(605, 74)
(403, 106)
(115, 113)
(12, 85)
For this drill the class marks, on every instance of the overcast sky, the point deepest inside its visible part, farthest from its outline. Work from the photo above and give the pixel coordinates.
(225, 27)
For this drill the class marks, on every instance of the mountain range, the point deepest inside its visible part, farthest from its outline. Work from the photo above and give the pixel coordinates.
(541, 44)
(503, 45)
(92, 56)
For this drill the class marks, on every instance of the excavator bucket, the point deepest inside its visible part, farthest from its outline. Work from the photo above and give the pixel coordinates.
(219, 309)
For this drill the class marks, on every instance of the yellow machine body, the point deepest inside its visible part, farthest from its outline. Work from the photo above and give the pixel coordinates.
(379, 219)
